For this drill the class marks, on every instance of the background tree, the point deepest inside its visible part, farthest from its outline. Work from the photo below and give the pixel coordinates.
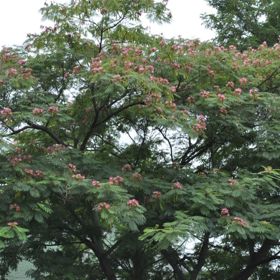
(245, 23)
(125, 156)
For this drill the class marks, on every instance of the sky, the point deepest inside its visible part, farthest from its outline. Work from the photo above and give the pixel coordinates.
(20, 17)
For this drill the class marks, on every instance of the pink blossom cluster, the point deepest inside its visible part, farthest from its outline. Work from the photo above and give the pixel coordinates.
(133, 203)
(26, 73)
(53, 109)
(96, 65)
(76, 69)
(224, 212)
(156, 194)
(117, 78)
(103, 205)
(230, 84)
(78, 177)
(170, 104)
(200, 125)
(55, 148)
(240, 221)
(177, 186)
(243, 81)
(159, 80)
(12, 224)
(21, 62)
(204, 94)
(128, 65)
(34, 173)
(137, 176)
(232, 182)
(223, 110)
(127, 167)
(15, 206)
(221, 97)
(12, 72)
(237, 91)
(6, 112)
(96, 184)
(253, 91)
(37, 111)
(15, 160)
(118, 180)
(152, 97)
(72, 167)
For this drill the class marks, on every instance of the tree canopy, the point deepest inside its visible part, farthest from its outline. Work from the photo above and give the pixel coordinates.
(245, 23)
(129, 156)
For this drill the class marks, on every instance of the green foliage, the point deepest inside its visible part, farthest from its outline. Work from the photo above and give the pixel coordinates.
(129, 156)
(245, 23)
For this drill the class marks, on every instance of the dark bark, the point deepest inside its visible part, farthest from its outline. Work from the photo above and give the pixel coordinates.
(104, 261)
(256, 258)
(173, 259)
(201, 258)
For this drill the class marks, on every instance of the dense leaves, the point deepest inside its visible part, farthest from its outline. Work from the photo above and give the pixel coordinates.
(245, 23)
(128, 156)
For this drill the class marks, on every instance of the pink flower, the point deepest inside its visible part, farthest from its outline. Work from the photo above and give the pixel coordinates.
(243, 81)
(240, 221)
(15, 206)
(96, 65)
(150, 68)
(230, 84)
(103, 205)
(66, 75)
(76, 69)
(116, 180)
(72, 167)
(12, 72)
(127, 167)
(128, 65)
(53, 109)
(170, 104)
(12, 224)
(253, 91)
(78, 177)
(200, 126)
(238, 91)
(26, 73)
(204, 94)
(221, 97)
(34, 173)
(177, 186)
(153, 49)
(6, 112)
(224, 212)
(116, 78)
(141, 69)
(133, 203)
(21, 62)
(137, 176)
(55, 148)
(37, 111)
(232, 182)
(156, 194)
(173, 89)
(223, 110)
(191, 100)
(96, 183)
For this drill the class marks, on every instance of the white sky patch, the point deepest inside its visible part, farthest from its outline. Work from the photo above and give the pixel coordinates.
(20, 17)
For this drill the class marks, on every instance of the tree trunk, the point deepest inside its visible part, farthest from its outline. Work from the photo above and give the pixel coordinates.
(104, 262)
(172, 258)
(201, 258)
